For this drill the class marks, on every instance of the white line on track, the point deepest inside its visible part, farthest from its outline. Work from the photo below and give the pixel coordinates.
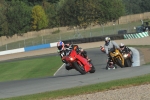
(59, 68)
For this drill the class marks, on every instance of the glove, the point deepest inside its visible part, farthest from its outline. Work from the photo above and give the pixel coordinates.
(58, 51)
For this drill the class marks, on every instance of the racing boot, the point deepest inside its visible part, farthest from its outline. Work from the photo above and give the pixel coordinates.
(68, 67)
(107, 67)
(115, 66)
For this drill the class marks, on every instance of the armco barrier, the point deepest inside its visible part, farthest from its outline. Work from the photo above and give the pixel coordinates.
(76, 41)
(36, 47)
(53, 44)
(12, 51)
(94, 39)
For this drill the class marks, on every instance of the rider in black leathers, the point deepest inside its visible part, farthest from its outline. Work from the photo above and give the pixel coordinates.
(125, 49)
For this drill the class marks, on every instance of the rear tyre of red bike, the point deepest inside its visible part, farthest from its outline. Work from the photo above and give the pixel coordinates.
(92, 68)
(79, 68)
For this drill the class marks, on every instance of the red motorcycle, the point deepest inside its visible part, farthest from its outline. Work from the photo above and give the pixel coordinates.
(78, 62)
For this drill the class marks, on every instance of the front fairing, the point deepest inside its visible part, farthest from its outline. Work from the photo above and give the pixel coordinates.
(70, 56)
(126, 55)
(73, 56)
(117, 54)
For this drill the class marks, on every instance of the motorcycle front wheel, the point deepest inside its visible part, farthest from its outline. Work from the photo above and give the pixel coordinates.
(79, 68)
(128, 63)
(119, 62)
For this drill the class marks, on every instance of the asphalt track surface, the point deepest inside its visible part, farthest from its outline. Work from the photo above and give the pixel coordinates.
(67, 79)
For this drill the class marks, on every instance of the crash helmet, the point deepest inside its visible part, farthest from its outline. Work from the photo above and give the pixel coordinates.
(60, 45)
(107, 40)
(121, 45)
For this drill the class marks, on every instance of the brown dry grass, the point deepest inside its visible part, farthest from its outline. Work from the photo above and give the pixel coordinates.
(146, 53)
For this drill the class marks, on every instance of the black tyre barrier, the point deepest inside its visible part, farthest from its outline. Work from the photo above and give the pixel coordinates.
(94, 39)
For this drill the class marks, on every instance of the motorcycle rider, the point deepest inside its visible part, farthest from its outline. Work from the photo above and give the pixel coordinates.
(125, 49)
(62, 47)
(108, 46)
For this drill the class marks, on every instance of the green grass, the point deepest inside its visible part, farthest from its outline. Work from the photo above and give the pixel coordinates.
(33, 68)
(144, 79)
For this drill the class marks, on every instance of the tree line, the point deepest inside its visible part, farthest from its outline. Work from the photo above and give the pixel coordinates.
(21, 16)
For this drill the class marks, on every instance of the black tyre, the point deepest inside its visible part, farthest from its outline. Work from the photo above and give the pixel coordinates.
(128, 63)
(92, 68)
(119, 62)
(79, 68)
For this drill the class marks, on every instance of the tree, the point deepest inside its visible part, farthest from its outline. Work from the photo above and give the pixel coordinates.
(136, 6)
(51, 12)
(39, 18)
(65, 13)
(53, 1)
(84, 12)
(145, 5)
(2, 17)
(17, 17)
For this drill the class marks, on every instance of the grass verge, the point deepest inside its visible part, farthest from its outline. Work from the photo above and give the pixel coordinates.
(144, 79)
(32, 68)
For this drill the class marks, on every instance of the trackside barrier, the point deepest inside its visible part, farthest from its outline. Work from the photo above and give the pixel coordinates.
(136, 35)
(53, 44)
(75, 41)
(36, 47)
(12, 51)
(30, 48)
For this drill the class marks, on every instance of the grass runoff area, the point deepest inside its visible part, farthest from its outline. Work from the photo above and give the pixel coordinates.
(46, 66)
(31, 68)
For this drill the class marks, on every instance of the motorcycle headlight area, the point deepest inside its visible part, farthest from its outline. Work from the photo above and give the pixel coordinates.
(115, 53)
(72, 58)
(125, 55)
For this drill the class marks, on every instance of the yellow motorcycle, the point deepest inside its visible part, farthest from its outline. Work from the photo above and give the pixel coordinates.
(117, 57)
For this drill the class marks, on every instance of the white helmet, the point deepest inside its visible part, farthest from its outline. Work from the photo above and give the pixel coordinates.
(107, 38)
(121, 45)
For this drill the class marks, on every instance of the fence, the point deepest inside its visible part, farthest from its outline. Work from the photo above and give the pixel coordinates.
(48, 35)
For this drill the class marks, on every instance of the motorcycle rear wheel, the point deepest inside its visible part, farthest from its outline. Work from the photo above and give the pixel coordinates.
(92, 68)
